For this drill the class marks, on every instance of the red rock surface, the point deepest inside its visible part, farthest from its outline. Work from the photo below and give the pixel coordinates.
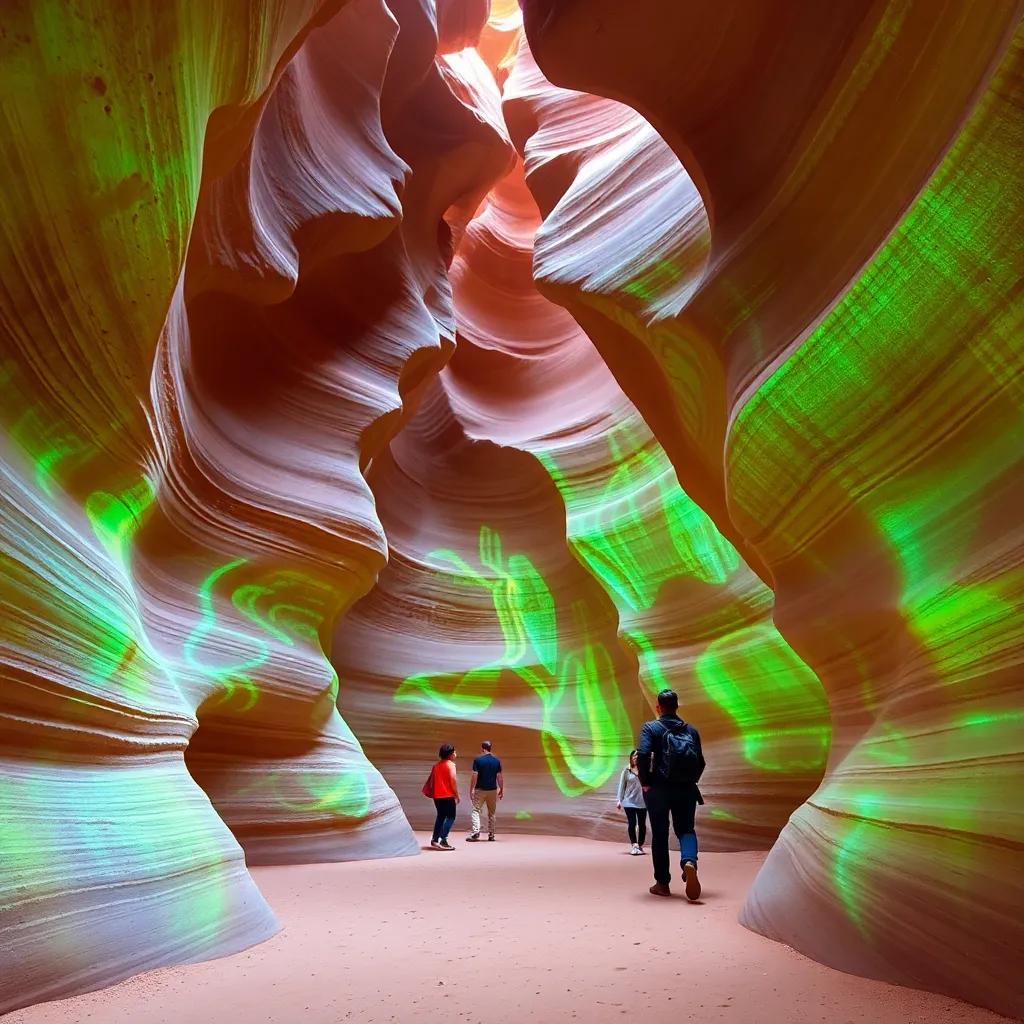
(183, 511)
(563, 704)
(374, 374)
(845, 395)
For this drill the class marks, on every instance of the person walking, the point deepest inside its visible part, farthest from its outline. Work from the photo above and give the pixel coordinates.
(445, 791)
(630, 799)
(670, 763)
(486, 786)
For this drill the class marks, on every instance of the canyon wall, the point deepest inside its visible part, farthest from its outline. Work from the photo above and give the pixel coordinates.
(547, 576)
(375, 374)
(839, 383)
(224, 271)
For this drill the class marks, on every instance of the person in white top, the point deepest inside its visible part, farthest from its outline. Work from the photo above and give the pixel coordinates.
(631, 800)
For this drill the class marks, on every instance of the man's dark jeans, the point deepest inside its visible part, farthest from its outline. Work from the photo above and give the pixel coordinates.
(681, 803)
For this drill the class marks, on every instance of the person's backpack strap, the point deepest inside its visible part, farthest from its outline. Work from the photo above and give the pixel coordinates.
(660, 757)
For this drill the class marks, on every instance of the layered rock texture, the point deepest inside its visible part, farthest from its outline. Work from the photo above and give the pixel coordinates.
(548, 576)
(376, 374)
(224, 272)
(841, 371)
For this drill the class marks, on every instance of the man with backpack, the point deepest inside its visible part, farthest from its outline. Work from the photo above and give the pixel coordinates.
(669, 763)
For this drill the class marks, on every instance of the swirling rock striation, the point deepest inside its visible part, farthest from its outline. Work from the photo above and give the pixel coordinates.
(482, 625)
(282, 315)
(182, 506)
(858, 319)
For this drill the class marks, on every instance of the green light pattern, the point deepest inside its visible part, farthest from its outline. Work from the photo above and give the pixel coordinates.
(906, 404)
(115, 519)
(748, 673)
(223, 638)
(266, 604)
(718, 812)
(46, 444)
(113, 649)
(105, 117)
(129, 835)
(344, 794)
(853, 859)
(650, 669)
(104, 638)
(636, 530)
(611, 530)
(659, 278)
(578, 689)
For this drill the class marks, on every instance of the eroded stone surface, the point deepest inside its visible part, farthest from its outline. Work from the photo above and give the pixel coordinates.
(315, 396)
(845, 390)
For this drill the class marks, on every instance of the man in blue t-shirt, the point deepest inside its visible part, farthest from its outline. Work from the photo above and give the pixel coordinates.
(486, 786)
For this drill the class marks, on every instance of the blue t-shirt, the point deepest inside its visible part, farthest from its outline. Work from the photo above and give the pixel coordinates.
(487, 767)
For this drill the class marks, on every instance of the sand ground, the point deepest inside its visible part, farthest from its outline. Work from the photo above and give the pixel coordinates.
(524, 929)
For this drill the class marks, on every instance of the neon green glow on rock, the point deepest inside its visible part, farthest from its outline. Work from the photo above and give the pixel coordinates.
(270, 605)
(129, 830)
(718, 812)
(615, 532)
(902, 411)
(231, 676)
(599, 707)
(648, 658)
(578, 690)
(851, 860)
(46, 444)
(116, 518)
(345, 794)
(636, 531)
(748, 671)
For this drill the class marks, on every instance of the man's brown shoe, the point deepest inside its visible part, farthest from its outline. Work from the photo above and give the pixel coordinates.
(660, 889)
(692, 881)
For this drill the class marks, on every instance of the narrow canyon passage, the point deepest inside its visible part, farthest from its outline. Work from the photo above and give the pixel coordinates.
(378, 376)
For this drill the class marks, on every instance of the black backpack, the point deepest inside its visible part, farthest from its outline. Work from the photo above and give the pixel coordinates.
(680, 762)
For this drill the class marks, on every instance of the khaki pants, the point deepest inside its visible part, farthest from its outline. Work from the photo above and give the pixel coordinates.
(489, 797)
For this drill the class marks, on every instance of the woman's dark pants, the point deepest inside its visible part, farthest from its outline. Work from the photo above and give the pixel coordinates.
(636, 816)
(445, 817)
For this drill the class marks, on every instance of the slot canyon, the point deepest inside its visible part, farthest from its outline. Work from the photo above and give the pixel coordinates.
(376, 374)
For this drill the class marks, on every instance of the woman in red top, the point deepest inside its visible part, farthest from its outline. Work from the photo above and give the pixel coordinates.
(446, 796)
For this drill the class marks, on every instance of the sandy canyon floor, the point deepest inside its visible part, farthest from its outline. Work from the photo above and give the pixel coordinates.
(524, 929)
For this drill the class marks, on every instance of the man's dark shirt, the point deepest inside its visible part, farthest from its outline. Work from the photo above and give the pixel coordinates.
(487, 768)
(651, 743)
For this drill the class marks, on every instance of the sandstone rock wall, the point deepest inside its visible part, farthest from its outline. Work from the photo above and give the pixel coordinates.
(224, 270)
(843, 380)
(374, 375)
(541, 602)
